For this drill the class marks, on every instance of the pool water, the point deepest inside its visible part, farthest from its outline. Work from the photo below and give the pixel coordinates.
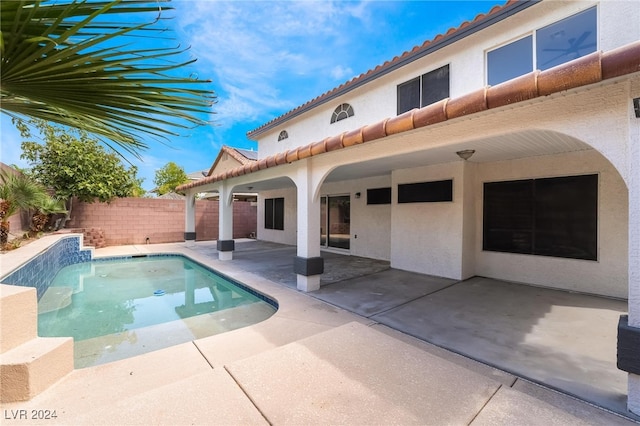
(119, 308)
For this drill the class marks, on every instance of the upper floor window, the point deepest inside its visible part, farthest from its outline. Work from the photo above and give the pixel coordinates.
(560, 42)
(283, 135)
(342, 112)
(423, 90)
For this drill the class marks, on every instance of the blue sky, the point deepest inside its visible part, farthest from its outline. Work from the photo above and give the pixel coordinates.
(268, 57)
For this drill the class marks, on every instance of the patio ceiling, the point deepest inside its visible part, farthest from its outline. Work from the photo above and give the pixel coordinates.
(495, 148)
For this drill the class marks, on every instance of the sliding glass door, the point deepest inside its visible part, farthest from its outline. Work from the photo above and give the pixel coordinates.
(335, 221)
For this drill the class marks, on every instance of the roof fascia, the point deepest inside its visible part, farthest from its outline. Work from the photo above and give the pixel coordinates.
(459, 34)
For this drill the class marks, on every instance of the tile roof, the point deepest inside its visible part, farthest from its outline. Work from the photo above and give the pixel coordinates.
(590, 69)
(197, 175)
(171, 196)
(243, 156)
(441, 40)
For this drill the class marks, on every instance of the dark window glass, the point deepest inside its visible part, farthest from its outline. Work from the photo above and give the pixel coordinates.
(508, 216)
(424, 90)
(274, 213)
(547, 217)
(510, 61)
(268, 213)
(567, 217)
(566, 40)
(379, 196)
(435, 86)
(426, 192)
(409, 95)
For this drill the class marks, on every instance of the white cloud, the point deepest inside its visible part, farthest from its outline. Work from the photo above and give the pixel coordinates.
(256, 50)
(341, 73)
(10, 150)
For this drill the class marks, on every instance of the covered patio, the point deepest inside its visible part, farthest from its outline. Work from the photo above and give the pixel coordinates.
(478, 229)
(559, 339)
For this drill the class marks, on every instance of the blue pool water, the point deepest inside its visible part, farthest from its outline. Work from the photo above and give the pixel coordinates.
(121, 307)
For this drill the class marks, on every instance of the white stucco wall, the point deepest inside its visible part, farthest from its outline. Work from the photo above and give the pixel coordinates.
(289, 234)
(608, 275)
(469, 170)
(370, 224)
(377, 100)
(428, 237)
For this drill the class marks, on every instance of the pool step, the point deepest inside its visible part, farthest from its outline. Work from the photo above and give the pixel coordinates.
(34, 366)
(19, 307)
(54, 299)
(28, 363)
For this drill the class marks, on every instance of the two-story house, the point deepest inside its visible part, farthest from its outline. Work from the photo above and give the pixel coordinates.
(508, 147)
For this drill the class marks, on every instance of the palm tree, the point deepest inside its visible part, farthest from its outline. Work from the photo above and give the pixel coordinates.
(17, 192)
(65, 62)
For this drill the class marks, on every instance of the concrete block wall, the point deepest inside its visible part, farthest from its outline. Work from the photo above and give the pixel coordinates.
(133, 220)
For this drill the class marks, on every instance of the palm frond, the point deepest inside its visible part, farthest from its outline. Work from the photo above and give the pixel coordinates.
(64, 62)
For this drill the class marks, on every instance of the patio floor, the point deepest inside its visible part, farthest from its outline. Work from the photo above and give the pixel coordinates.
(563, 340)
(374, 345)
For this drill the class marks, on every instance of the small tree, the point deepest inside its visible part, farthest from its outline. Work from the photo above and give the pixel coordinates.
(17, 192)
(75, 165)
(169, 177)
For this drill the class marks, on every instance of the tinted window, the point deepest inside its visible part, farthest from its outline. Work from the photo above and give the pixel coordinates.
(510, 61)
(409, 95)
(426, 192)
(274, 213)
(560, 42)
(379, 196)
(547, 217)
(435, 86)
(566, 40)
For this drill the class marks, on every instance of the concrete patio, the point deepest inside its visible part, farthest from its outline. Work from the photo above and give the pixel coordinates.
(373, 346)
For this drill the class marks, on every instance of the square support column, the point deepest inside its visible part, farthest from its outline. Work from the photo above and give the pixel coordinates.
(629, 328)
(190, 219)
(225, 244)
(308, 265)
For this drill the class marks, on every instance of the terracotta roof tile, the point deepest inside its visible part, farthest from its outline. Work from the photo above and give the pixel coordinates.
(583, 71)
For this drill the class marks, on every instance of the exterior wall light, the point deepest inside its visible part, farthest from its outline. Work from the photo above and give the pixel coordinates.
(466, 154)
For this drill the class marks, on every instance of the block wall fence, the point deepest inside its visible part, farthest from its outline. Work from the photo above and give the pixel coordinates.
(133, 220)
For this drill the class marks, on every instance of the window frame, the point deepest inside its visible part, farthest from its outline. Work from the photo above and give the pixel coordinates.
(525, 223)
(534, 42)
(378, 196)
(274, 213)
(426, 192)
(342, 112)
(419, 82)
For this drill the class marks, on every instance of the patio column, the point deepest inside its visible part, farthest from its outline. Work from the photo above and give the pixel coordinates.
(629, 328)
(308, 265)
(190, 218)
(225, 244)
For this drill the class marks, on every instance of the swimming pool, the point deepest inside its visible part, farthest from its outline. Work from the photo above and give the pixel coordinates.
(120, 307)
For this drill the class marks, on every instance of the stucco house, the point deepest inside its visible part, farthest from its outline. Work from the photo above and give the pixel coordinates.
(508, 148)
